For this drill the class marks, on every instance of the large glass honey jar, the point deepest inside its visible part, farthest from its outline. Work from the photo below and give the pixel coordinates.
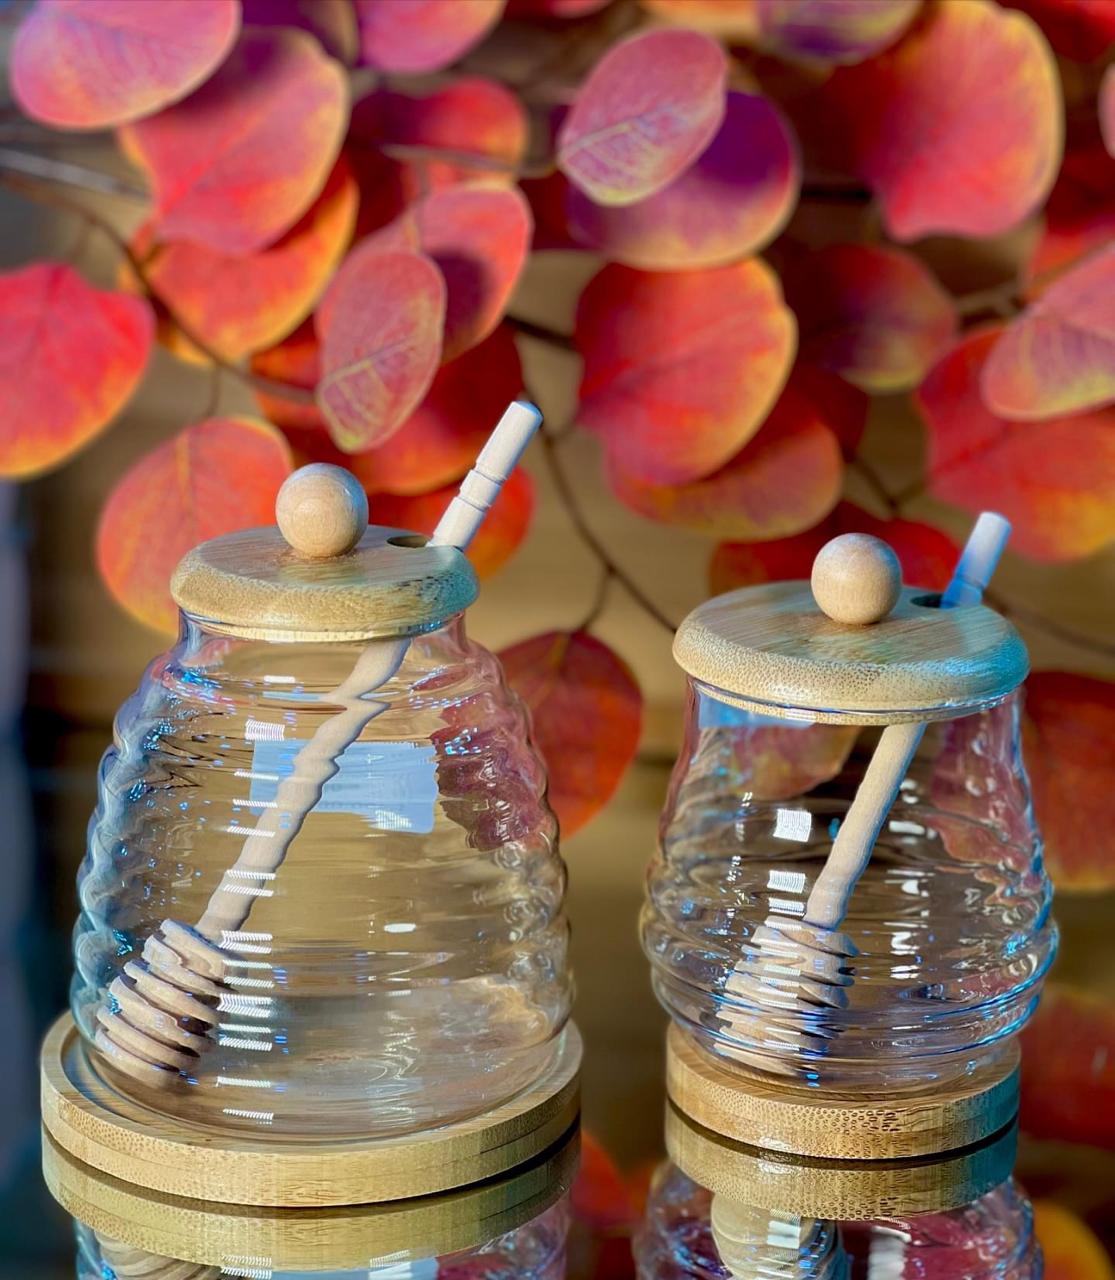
(322, 893)
(912, 976)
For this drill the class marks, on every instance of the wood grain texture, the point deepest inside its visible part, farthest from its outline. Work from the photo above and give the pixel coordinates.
(103, 1128)
(212, 1234)
(322, 510)
(844, 1190)
(253, 584)
(856, 579)
(747, 1107)
(770, 649)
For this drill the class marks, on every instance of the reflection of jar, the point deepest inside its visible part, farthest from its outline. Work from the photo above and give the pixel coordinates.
(947, 934)
(322, 893)
(511, 1228)
(721, 1210)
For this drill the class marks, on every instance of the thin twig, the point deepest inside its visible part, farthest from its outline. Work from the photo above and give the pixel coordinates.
(68, 174)
(871, 476)
(541, 332)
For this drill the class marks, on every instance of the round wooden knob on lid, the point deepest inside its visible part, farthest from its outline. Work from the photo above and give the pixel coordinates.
(856, 579)
(322, 572)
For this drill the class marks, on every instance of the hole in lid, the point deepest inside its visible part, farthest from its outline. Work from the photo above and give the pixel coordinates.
(931, 600)
(408, 540)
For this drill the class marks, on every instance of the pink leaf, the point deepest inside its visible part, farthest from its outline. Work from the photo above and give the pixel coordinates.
(412, 37)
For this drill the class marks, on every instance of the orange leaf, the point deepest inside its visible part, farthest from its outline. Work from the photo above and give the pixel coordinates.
(70, 358)
(1058, 357)
(648, 109)
(415, 36)
(1054, 481)
(1068, 731)
(242, 159)
(380, 329)
(442, 438)
(600, 1197)
(179, 495)
(296, 362)
(586, 714)
(927, 555)
(333, 22)
(89, 64)
(478, 237)
(239, 304)
(832, 30)
(875, 316)
(733, 200)
(786, 478)
(1070, 1250)
(504, 528)
(738, 18)
(1080, 215)
(974, 162)
(681, 370)
(1068, 1068)
(1080, 29)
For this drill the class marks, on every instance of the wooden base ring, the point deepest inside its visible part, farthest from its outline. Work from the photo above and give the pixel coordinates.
(109, 1131)
(835, 1124)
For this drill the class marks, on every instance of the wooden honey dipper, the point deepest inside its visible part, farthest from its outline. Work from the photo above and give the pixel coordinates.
(160, 1012)
(802, 965)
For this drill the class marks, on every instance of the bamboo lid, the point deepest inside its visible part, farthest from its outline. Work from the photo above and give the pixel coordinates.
(842, 1190)
(853, 646)
(211, 1234)
(321, 573)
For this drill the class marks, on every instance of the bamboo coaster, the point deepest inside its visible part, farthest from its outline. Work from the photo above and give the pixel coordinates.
(105, 1129)
(838, 1190)
(335, 1239)
(737, 1103)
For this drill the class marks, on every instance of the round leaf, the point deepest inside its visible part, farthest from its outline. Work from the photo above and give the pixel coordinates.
(179, 495)
(586, 714)
(504, 528)
(1055, 481)
(478, 237)
(784, 479)
(1080, 29)
(681, 370)
(1070, 1250)
(875, 316)
(1080, 214)
(70, 358)
(648, 109)
(1058, 357)
(296, 362)
(974, 162)
(380, 330)
(333, 22)
(730, 18)
(732, 201)
(240, 304)
(832, 30)
(412, 37)
(1067, 736)
(89, 64)
(241, 160)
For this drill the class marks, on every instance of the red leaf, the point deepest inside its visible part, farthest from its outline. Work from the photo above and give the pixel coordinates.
(554, 8)
(237, 304)
(1080, 215)
(1107, 110)
(843, 407)
(89, 64)
(927, 555)
(504, 528)
(242, 159)
(786, 478)
(415, 36)
(295, 362)
(442, 438)
(1068, 731)
(586, 714)
(380, 330)
(179, 495)
(478, 237)
(875, 316)
(681, 370)
(733, 200)
(832, 30)
(333, 22)
(600, 1197)
(1080, 29)
(973, 163)
(1070, 1250)
(70, 358)
(1055, 481)
(1058, 357)
(1068, 1069)
(648, 109)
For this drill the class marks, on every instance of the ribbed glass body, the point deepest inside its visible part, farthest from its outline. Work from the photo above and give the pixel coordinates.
(534, 1251)
(402, 965)
(951, 919)
(689, 1233)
